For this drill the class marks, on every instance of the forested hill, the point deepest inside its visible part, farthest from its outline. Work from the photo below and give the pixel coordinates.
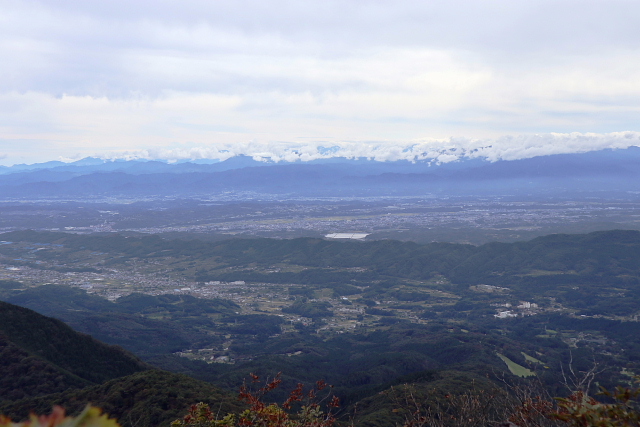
(610, 254)
(41, 355)
(43, 362)
(150, 398)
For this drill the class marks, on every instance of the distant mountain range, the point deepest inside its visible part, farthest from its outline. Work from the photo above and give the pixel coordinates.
(607, 172)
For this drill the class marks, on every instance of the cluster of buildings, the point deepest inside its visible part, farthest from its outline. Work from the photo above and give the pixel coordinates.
(525, 308)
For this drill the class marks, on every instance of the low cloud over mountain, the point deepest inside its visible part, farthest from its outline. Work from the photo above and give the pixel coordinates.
(430, 150)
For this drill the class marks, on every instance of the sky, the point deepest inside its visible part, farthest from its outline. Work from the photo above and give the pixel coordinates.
(503, 79)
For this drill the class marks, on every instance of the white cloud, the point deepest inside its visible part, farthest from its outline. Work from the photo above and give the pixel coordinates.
(93, 76)
(437, 151)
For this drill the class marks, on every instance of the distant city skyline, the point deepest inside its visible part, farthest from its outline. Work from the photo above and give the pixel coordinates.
(302, 80)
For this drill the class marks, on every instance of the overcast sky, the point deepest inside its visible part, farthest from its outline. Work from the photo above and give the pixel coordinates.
(181, 79)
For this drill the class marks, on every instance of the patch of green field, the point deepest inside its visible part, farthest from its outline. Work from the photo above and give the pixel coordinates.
(323, 293)
(516, 369)
(531, 358)
(536, 273)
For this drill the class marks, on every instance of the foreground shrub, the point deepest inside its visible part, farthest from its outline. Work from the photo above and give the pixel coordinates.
(580, 410)
(522, 407)
(90, 417)
(261, 414)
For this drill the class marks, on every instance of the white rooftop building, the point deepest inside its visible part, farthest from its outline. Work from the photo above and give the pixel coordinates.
(356, 236)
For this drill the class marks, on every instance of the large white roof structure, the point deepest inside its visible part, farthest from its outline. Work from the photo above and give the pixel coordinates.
(356, 236)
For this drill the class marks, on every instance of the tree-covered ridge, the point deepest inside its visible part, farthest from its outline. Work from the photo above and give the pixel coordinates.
(594, 254)
(44, 362)
(54, 300)
(26, 375)
(151, 399)
(55, 343)
(131, 321)
(460, 402)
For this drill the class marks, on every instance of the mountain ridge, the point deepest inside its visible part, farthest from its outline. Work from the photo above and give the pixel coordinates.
(602, 171)
(43, 354)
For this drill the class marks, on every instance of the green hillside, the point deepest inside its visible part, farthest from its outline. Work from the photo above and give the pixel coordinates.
(146, 399)
(594, 256)
(133, 321)
(43, 362)
(43, 355)
(23, 374)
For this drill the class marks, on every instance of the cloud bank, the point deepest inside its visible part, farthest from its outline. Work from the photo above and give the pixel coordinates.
(101, 77)
(435, 151)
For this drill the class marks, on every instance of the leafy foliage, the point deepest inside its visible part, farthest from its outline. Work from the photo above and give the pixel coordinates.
(147, 399)
(480, 404)
(261, 414)
(581, 410)
(89, 417)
